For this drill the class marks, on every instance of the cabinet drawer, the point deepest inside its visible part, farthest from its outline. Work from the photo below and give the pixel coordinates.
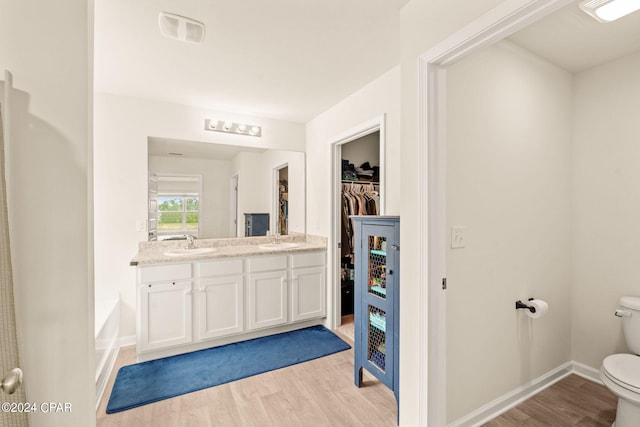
(269, 263)
(159, 273)
(312, 259)
(220, 268)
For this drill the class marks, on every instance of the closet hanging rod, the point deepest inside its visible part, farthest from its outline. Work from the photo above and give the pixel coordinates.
(346, 181)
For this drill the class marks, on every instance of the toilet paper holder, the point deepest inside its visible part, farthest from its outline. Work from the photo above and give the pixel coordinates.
(520, 304)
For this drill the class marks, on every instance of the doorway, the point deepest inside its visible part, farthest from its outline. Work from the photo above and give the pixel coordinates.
(281, 200)
(358, 175)
(497, 24)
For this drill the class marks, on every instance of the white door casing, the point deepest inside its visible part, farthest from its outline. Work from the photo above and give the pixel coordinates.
(10, 373)
(500, 22)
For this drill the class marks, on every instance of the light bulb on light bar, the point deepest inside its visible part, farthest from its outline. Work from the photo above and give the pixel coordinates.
(609, 10)
(228, 126)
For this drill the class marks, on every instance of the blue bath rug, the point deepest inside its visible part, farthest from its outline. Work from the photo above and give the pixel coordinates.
(148, 382)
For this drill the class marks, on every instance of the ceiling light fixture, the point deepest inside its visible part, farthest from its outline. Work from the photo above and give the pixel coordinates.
(180, 27)
(609, 10)
(232, 127)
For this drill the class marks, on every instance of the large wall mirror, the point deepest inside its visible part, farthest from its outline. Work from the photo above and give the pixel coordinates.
(210, 190)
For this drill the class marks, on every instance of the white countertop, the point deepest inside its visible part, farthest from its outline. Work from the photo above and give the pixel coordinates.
(155, 252)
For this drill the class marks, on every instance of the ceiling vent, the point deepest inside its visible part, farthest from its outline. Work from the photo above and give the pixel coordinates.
(180, 28)
(609, 10)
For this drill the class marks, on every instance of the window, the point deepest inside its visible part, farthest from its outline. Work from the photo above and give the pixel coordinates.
(178, 214)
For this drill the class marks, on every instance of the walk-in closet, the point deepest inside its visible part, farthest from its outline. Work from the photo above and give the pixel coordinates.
(360, 196)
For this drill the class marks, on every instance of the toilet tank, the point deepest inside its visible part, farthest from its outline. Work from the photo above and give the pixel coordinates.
(631, 324)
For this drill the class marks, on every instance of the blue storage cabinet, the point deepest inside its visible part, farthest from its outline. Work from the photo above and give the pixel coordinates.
(377, 287)
(256, 224)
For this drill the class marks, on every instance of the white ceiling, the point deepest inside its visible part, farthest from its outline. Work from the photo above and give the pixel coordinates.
(575, 41)
(292, 59)
(282, 59)
(197, 150)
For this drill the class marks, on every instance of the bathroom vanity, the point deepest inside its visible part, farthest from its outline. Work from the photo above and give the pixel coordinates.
(237, 289)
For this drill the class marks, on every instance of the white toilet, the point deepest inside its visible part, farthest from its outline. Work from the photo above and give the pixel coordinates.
(621, 372)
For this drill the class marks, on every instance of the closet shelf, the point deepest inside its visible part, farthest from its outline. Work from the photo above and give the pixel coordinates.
(378, 290)
(378, 322)
(347, 181)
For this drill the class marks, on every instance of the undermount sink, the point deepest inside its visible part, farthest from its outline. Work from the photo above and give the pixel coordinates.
(187, 251)
(280, 245)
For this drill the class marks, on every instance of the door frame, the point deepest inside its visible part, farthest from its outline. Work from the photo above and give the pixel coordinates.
(500, 22)
(275, 197)
(376, 124)
(233, 205)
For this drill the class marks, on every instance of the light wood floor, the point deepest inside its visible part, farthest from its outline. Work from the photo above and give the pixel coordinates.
(321, 393)
(316, 393)
(573, 401)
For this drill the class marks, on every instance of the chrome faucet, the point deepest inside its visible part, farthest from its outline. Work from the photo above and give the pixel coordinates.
(190, 241)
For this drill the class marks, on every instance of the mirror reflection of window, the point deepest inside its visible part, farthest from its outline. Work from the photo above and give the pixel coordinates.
(178, 214)
(178, 206)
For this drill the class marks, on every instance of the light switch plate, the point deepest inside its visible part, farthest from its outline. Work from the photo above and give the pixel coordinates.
(141, 225)
(458, 237)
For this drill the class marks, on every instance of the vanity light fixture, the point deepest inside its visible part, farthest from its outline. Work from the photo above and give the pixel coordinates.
(232, 127)
(609, 10)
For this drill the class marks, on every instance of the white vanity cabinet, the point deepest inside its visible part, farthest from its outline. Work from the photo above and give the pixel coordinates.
(219, 298)
(199, 304)
(268, 290)
(308, 286)
(164, 307)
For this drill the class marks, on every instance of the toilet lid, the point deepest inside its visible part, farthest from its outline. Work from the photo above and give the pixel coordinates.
(630, 302)
(624, 369)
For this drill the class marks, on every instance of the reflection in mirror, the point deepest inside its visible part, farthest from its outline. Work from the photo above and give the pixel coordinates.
(205, 189)
(282, 199)
(178, 206)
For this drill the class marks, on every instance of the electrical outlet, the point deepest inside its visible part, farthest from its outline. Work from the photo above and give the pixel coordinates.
(457, 237)
(141, 225)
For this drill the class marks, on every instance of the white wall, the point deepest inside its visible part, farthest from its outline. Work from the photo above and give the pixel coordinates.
(509, 129)
(122, 126)
(423, 24)
(214, 206)
(382, 96)
(606, 200)
(49, 162)
(253, 187)
(379, 97)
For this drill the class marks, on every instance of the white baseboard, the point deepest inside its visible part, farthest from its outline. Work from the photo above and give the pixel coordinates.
(128, 341)
(586, 372)
(522, 393)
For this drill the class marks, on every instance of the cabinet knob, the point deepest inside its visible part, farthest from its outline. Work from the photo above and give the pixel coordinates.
(389, 272)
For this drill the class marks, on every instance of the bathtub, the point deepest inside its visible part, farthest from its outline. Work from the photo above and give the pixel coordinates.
(107, 315)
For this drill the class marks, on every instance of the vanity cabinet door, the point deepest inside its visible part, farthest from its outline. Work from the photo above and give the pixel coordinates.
(165, 315)
(267, 299)
(219, 304)
(308, 293)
